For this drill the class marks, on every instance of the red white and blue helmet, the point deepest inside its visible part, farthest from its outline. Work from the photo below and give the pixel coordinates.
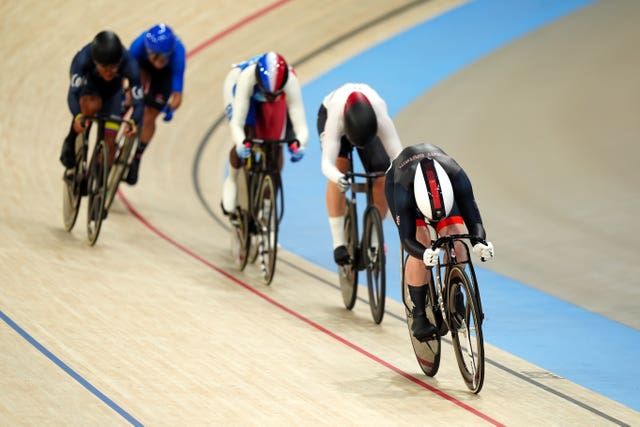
(160, 39)
(272, 73)
(432, 190)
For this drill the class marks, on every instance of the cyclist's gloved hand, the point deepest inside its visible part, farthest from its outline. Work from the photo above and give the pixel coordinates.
(297, 152)
(244, 149)
(168, 113)
(430, 257)
(344, 183)
(485, 252)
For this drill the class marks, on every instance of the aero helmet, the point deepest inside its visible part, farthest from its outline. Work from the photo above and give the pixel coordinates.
(432, 190)
(360, 122)
(160, 39)
(272, 73)
(106, 48)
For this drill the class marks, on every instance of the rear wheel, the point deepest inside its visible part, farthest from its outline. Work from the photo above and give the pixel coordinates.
(427, 352)
(72, 185)
(267, 217)
(97, 190)
(124, 149)
(240, 230)
(374, 262)
(466, 328)
(240, 238)
(349, 273)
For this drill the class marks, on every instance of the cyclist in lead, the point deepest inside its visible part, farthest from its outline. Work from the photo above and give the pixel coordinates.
(97, 73)
(161, 57)
(353, 115)
(425, 185)
(248, 87)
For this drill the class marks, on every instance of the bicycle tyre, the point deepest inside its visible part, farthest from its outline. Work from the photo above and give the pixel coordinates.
(348, 274)
(253, 184)
(267, 217)
(241, 231)
(120, 165)
(97, 190)
(374, 262)
(427, 352)
(466, 336)
(72, 185)
(240, 239)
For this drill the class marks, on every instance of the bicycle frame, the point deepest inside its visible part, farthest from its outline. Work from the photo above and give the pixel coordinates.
(449, 260)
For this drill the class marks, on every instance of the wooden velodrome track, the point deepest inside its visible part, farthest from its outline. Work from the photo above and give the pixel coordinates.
(154, 326)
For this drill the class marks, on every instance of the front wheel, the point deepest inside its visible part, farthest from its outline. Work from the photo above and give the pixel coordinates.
(466, 328)
(72, 185)
(97, 190)
(267, 218)
(374, 262)
(349, 273)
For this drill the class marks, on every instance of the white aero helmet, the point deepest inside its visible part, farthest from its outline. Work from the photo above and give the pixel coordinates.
(432, 190)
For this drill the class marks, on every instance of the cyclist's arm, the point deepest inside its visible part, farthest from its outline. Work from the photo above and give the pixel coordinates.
(330, 140)
(405, 218)
(131, 72)
(295, 108)
(388, 134)
(178, 61)
(241, 99)
(77, 72)
(468, 206)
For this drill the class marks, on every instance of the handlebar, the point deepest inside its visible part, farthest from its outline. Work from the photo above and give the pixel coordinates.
(368, 175)
(441, 241)
(107, 118)
(261, 141)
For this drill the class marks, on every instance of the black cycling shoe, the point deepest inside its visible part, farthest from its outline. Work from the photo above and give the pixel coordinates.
(68, 154)
(422, 329)
(341, 255)
(132, 175)
(233, 217)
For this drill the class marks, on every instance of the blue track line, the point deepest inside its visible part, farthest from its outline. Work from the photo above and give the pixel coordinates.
(73, 374)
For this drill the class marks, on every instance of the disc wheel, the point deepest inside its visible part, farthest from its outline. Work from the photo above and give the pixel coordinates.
(427, 352)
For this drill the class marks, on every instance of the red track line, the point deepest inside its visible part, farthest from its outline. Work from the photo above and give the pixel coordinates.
(270, 300)
(236, 26)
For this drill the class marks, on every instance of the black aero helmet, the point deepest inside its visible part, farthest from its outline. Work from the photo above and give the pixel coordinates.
(106, 48)
(360, 122)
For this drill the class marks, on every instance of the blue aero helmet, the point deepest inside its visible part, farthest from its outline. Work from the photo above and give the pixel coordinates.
(160, 40)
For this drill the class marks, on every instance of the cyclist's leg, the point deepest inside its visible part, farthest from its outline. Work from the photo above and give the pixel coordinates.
(418, 279)
(454, 224)
(230, 185)
(157, 84)
(111, 105)
(375, 159)
(337, 206)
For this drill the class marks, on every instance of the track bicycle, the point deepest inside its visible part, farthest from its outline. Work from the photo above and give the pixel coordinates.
(453, 304)
(368, 253)
(260, 207)
(88, 178)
